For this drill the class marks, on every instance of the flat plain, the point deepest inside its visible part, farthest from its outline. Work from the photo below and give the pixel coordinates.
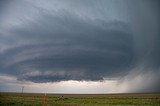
(37, 99)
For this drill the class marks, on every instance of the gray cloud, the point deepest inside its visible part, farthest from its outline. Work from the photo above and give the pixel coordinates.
(87, 40)
(92, 48)
(140, 79)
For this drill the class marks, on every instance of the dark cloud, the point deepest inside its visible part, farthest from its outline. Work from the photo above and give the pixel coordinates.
(88, 40)
(92, 49)
(3, 3)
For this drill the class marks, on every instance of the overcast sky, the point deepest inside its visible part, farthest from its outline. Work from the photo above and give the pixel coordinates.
(80, 46)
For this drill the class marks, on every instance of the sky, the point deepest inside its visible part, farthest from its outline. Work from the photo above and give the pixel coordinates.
(80, 46)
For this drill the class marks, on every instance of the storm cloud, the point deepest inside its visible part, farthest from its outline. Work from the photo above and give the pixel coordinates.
(80, 40)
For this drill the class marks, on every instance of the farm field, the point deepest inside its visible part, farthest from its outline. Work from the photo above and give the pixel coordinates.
(35, 99)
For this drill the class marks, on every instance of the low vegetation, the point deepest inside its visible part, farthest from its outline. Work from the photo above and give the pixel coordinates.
(26, 99)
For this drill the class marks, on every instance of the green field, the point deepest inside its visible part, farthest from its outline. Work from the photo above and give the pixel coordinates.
(33, 99)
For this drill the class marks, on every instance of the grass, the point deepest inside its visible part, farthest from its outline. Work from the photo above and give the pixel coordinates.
(28, 99)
